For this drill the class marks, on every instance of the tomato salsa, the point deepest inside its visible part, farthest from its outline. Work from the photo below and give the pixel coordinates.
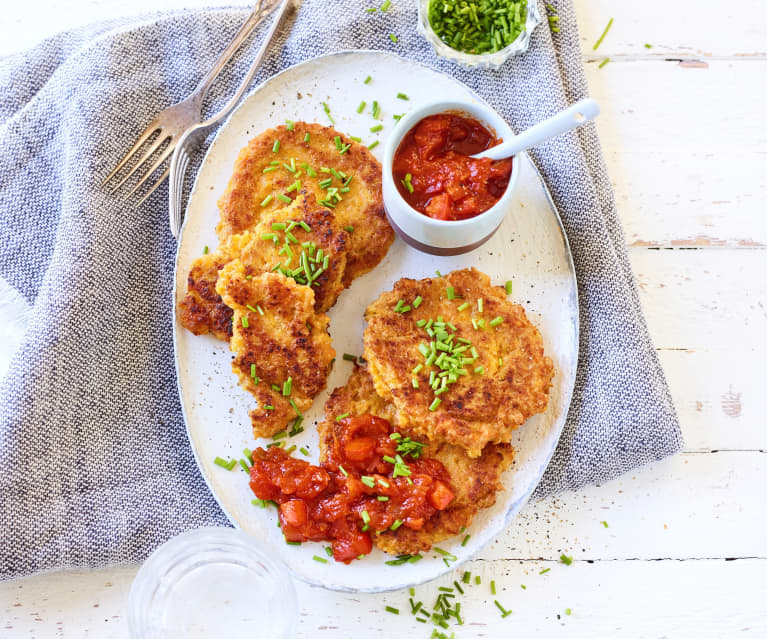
(436, 175)
(372, 481)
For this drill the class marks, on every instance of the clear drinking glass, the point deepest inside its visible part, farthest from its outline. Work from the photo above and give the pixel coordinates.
(484, 60)
(210, 582)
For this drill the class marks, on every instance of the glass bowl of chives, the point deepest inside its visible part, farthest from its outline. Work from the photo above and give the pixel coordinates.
(478, 33)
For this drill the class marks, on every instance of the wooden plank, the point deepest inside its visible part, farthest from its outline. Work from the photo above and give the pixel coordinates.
(701, 599)
(655, 512)
(682, 177)
(675, 29)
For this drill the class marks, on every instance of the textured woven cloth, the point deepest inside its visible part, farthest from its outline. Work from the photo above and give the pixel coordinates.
(95, 465)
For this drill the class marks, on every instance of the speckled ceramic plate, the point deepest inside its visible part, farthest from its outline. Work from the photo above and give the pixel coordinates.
(529, 248)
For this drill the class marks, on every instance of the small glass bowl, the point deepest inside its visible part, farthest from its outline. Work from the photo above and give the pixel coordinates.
(211, 582)
(484, 60)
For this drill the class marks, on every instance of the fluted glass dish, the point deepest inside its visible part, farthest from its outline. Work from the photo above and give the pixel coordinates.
(491, 60)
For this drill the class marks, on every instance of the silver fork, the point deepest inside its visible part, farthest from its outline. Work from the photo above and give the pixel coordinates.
(194, 134)
(171, 123)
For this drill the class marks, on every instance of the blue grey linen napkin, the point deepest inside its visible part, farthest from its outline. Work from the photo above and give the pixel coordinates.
(95, 466)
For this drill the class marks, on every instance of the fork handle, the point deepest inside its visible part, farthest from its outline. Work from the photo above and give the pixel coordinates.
(260, 10)
(254, 66)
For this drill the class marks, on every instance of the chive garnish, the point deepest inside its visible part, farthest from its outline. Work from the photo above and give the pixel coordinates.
(289, 125)
(225, 464)
(568, 611)
(504, 613)
(604, 523)
(450, 293)
(465, 541)
(307, 137)
(367, 80)
(287, 387)
(463, 306)
(361, 107)
(395, 525)
(566, 560)
(349, 357)
(295, 408)
(393, 38)
(544, 571)
(492, 587)
(603, 63)
(496, 321)
(394, 611)
(385, 6)
(376, 128)
(349, 229)
(508, 287)
(344, 416)
(267, 199)
(604, 33)
(402, 96)
(327, 112)
(284, 198)
(322, 560)
(373, 145)
(477, 580)
(245, 321)
(304, 451)
(523, 586)
(276, 146)
(341, 468)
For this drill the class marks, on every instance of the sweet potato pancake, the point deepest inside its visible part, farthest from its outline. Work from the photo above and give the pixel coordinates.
(282, 347)
(340, 173)
(202, 309)
(460, 363)
(475, 481)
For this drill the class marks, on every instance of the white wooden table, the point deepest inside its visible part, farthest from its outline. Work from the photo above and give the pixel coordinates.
(685, 554)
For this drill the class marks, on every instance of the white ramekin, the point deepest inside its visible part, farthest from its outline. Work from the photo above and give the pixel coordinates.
(444, 237)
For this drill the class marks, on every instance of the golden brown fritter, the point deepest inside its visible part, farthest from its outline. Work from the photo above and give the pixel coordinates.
(202, 309)
(289, 341)
(475, 481)
(361, 207)
(508, 382)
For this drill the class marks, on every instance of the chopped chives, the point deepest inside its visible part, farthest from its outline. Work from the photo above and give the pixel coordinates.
(477, 580)
(295, 408)
(604, 33)
(245, 321)
(402, 96)
(244, 465)
(393, 38)
(415, 383)
(603, 63)
(373, 145)
(349, 357)
(304, 451)
(278, 226)
(253, 370)
(289, 125)
(480, 305)
(322, 560)
(361, 107)
(367, 80)
(508, 287)
(544, 571)
(566, 560)
(376, 128)
(341, 468)
(604, 523)
(463, 306)
(458, 587)
(496, 321)
(267, 199)
(647, 46)
(394, 611)
(284, 198)
(385, 6)
(417, 302)
(466, 576)
(307, 137)
(492, 587)
(224, 464)
(349, 229)
(465, 541)
(354, 138)
(276, 146)
(382, 498)
(395, 525)
(344, 416)
(568, 611)
(370, 482)
(523, 586)
(287, 387)
(450, 293)
(327, 112)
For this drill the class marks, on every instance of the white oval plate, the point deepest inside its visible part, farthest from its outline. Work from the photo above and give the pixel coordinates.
(529, 248)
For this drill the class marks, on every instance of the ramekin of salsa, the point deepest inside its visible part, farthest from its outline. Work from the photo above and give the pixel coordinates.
(437, 197)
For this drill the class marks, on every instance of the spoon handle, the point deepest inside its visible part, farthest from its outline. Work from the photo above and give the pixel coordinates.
(572, 117)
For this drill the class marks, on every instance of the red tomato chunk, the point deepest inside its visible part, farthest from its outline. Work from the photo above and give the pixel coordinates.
(331, 502)
(445, 182)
